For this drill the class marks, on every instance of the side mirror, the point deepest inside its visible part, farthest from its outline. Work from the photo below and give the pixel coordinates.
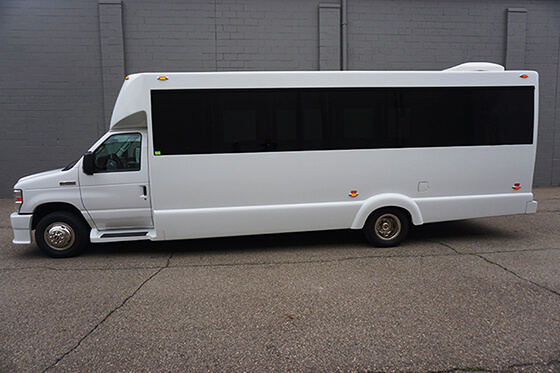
(88, 164)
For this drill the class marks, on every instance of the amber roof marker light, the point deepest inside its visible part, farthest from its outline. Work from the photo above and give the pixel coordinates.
(162, 78)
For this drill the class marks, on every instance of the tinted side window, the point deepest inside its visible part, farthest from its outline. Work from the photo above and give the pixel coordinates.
(472, 116)
(257, 120)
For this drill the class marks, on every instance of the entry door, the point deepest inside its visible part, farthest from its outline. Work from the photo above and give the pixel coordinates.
(117, 195)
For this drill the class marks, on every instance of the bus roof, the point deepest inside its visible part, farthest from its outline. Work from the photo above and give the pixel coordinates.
(134, 95)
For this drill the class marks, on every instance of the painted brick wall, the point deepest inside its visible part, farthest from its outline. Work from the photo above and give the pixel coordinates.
(412, 35)
(543, 40)
(431, 35)
(220, 35)
(169, 35)
(50, 85)
(267, 35)
(112, 53)
(61, 64)
(330, 38)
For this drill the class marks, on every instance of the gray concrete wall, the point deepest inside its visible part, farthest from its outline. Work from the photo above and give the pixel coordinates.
(62, 62)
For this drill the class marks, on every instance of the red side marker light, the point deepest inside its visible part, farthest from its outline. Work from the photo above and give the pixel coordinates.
(353, 193)
(516, 186)
(524, 76)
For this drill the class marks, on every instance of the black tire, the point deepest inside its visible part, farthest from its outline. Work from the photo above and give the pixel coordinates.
(62, 235)
(387, 227)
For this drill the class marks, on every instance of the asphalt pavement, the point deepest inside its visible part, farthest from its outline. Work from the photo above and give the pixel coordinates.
(475, 295)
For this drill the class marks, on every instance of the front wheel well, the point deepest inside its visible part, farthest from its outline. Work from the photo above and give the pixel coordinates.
(43, 210)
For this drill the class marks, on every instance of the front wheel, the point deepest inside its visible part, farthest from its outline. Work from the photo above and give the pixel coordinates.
(386, 227)
(61, 235)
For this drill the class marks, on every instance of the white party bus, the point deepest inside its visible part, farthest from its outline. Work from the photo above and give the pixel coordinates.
(194, 155)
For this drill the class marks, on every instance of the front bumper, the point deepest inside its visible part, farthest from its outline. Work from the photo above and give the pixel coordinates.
(21, 224)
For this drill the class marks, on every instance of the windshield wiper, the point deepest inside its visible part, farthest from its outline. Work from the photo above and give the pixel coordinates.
(70, 165)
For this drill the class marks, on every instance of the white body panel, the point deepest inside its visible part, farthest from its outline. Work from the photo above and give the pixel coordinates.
(209, 195)
(54, 186)
(51, 186)
(309, 190)
(118, 200)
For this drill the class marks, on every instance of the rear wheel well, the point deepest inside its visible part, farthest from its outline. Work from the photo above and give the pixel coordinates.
(389, 207)
(405, 211)
(43, 210)
(387, 226)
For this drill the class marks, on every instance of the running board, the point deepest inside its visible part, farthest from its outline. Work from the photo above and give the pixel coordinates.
(122, 235)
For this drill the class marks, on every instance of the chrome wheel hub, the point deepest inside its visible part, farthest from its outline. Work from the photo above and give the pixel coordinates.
(59, 236)
(387, 227)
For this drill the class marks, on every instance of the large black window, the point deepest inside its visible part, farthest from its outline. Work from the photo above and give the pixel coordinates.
(202, 121)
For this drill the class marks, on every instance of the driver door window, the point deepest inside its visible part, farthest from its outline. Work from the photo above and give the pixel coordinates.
(119, 153)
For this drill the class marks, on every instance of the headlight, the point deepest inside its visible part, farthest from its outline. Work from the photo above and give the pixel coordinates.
(18, 198)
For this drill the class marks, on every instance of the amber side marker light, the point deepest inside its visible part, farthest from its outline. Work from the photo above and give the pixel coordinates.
(18, 198)
(524, 76)
(162, 78)
(516, 186)
(126, 77)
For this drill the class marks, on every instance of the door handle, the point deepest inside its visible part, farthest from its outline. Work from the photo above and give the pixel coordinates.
(143, 191)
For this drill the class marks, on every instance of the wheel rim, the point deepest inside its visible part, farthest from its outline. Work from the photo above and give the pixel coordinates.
(59, 236)
(387, 227)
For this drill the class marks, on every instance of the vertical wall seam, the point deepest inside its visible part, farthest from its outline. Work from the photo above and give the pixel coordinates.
(112, 53)
(215, 37)
(555, 181)
(344, 34)
(329, 36)
(516, 38)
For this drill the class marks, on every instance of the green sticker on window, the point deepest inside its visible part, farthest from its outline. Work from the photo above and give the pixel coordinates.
(157, 152)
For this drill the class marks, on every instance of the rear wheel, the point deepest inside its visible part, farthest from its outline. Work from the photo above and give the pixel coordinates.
(61, 235)
(387, 227)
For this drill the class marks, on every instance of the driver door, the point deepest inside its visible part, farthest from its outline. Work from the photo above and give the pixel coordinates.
(117, 195)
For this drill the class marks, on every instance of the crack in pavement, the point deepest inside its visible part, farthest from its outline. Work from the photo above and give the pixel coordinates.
(263, 263)
(109, 314)
(551, 363)
(476, 368)
(516, 275)
(291, 262)
(481, 256)
(518, 250)
(508, 369)
(78, 269)
(167, 265)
